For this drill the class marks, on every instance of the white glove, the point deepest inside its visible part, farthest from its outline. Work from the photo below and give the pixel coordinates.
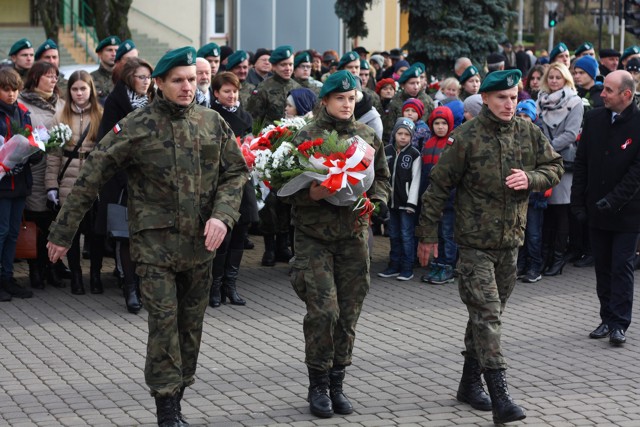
(53, 196)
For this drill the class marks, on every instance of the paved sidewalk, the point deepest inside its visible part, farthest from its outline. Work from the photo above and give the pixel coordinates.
(78, 360)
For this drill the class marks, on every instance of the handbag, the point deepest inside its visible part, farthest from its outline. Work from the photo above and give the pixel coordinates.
(117, 219)
(26, 246)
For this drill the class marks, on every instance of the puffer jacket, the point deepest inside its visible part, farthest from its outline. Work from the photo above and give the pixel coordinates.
(58, 158)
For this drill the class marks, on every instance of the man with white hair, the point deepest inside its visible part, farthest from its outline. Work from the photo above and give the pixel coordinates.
(203, 80)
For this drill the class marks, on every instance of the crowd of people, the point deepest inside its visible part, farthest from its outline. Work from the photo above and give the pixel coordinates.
(434, 138)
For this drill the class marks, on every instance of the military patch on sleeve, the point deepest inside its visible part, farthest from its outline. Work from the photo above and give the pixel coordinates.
(450, 141)
(254, 92)
(117, 128)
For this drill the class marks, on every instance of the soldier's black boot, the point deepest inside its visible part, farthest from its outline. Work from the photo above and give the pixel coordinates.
(269, 256)
(231, 270)
(181, 418)
(339, 401)
(470, 389)
(318, 398)
(217, 271)
(131, 297)
(167, 412)
(77, 285)
(95, 282)
(35, 274)
(51, 276)
(283, 253)
(505, 410)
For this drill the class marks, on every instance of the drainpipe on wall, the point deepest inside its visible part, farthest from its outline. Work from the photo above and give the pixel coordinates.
(203, 23)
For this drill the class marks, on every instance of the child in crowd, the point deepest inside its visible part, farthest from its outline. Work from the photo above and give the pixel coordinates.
(440, 270)
(472, 106)
(530, 255)
(450, 87)
(404, 164)
(300, 103)
(386, 88)
(413, 109)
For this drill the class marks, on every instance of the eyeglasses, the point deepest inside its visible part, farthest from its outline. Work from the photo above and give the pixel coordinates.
(305, 67)
(142, 78)
(52, 77)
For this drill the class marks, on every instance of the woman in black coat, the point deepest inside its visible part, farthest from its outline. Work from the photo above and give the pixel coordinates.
(226, 264)
(133, 90)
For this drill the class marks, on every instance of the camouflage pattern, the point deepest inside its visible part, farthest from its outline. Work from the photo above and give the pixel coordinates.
(246, 89)
(388, 121)
(331, 254)
(490, 217)
(62, 84)
(322, 270)
(395, 110)
(375, 99)
(267, 101)
(310, 84)
(184, 167)
(103, 81)
(486, 279)
(173, 299)
(477, 160)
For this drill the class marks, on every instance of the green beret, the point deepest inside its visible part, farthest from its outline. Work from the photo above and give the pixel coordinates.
(500, 80)
(633, 50)
(300, 58)
(236, 58)
(108, 41)
(348, 57)
(126, 46)
(175, 58)
(340, 81)
(557, 50)
(421, 66)
(209, 49)
(411, 72)
(19, 45)
(364, 64)
(583, 48)
(280, 54)
(48, 44)
(469, 72)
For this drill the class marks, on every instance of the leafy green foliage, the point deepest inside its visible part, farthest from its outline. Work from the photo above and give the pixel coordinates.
(440, 31)
(352, 13)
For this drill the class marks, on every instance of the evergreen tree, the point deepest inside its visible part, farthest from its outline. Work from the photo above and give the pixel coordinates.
(440, 31)
(352, 14)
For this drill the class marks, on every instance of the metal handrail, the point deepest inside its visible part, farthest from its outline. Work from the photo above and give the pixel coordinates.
(80, 20)
(155, 21)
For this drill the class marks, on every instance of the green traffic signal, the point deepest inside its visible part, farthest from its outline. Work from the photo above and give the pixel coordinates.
(552, 18)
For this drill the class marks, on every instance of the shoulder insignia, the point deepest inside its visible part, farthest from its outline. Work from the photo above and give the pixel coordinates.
(117, 129)
(254, 92)
(450, 141)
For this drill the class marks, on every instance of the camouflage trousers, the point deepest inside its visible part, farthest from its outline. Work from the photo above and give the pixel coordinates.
(176, 302)
(486, 280)
(332, 279)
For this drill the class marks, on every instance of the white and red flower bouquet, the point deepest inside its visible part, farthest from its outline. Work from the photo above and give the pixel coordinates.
(18, 148)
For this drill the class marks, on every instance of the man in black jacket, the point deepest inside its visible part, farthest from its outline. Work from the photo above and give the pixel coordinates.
(605, 193)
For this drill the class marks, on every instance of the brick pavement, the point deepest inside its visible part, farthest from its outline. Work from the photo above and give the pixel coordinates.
(78, 360)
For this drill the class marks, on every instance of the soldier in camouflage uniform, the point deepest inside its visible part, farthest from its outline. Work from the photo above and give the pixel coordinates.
(365, 75)
(22, 55)
(302, 72)
(331, 265)
(410, 87)
(186, 175)
(238, 64)
(494, 161)
(102, 77)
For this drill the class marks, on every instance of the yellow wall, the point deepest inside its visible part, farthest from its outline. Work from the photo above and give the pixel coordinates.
(388, 27)
(15, 12)
(404, 28)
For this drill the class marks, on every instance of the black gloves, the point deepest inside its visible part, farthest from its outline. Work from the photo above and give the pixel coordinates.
(16, 169)
(603, 205)
(381, 213)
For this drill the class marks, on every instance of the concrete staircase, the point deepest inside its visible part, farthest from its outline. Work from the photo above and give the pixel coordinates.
(37, 36)
(149, 48)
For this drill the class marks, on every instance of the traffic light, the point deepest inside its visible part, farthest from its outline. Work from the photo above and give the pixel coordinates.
(553, 15)
(632, 16)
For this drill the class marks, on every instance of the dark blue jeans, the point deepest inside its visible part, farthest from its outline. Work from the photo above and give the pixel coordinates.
(530, 254)
(447, 248)
(614, 253)
(10, 218)
(402, 237)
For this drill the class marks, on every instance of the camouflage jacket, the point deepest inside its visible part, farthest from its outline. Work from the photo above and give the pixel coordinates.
(320, 219)
(184, 167)
(375, 99)
(246, 89)
(476, 161)
(395, 110)
(310, 84)
(267, 102)
(103, 82)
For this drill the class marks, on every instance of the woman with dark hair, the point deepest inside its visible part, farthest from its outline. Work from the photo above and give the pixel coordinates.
(226, 264)
(82, 113)
(534, 81)
(133, 90)
(41, 97)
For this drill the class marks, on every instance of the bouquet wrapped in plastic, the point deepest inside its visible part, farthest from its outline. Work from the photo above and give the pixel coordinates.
(17, 150)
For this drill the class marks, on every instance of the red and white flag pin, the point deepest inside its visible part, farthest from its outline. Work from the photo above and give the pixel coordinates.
(626, 143)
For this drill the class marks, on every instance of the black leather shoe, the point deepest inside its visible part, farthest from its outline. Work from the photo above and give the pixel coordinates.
(601, 331)
(617, 337)
(585, 261)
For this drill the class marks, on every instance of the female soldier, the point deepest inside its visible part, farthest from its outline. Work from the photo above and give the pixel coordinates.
(331, 266)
